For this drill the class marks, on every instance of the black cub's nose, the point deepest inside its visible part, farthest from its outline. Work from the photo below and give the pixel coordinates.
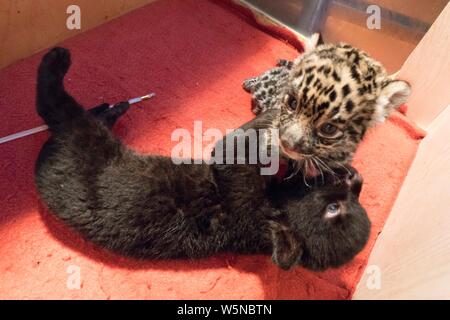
(354, 180)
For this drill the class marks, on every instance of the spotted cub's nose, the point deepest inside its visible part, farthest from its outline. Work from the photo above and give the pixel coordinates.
(301, 148)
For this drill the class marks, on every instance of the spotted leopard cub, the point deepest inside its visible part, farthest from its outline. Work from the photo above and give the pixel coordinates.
(327, 101)
(266, 87)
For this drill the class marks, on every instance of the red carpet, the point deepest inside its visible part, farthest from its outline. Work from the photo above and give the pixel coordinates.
(194, 55)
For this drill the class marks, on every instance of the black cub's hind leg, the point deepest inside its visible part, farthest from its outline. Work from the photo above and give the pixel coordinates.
(54, 65)
(53, 103)
(108, 115)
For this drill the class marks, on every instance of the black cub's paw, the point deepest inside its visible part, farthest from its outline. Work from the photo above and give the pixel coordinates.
(108, 115)
(57, 60)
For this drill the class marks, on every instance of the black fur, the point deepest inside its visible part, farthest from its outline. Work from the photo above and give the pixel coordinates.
(148, 207)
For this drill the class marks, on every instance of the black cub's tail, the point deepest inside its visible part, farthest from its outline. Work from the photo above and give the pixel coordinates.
(53, 103)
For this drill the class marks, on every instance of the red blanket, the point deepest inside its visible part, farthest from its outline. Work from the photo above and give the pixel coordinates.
(194, 55)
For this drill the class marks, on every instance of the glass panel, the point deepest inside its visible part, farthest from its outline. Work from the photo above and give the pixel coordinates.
(403, 23)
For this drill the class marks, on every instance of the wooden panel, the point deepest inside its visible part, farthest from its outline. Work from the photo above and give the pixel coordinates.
(28, 26)
(428, 70)
(412, 254)
(376, 42)
(411, 258)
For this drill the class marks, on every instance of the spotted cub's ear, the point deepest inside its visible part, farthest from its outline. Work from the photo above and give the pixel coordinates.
(393, 94)
(287, 249)
(312, 42)
(309, 45)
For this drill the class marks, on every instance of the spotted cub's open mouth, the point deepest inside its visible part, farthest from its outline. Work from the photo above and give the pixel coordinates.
(307, 165)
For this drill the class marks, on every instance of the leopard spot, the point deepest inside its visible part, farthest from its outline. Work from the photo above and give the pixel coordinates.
(349, 106)
(316, 83)
(334, 111)
(333, 95)
(323, 105)
(358, 121)
(328, 90)
(362, 90)
(355, 74)
(356, 60)
(336, 77)
(345, 90)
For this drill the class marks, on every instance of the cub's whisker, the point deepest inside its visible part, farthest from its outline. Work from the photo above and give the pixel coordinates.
(342, 166)
(305, 167)
(326, 167)
(319, 167)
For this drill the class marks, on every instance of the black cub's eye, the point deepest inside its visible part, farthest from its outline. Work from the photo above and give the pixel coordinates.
(328, 129)
(292, 102)
(333, 209)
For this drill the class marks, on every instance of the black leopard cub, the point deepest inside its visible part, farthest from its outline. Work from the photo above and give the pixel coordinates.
(148, 207)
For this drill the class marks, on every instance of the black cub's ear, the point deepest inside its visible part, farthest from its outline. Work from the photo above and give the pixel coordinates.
(287, 249)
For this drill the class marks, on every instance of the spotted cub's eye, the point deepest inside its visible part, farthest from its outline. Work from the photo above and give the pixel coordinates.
(333, 210)
(292, 102)
(328, 130)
